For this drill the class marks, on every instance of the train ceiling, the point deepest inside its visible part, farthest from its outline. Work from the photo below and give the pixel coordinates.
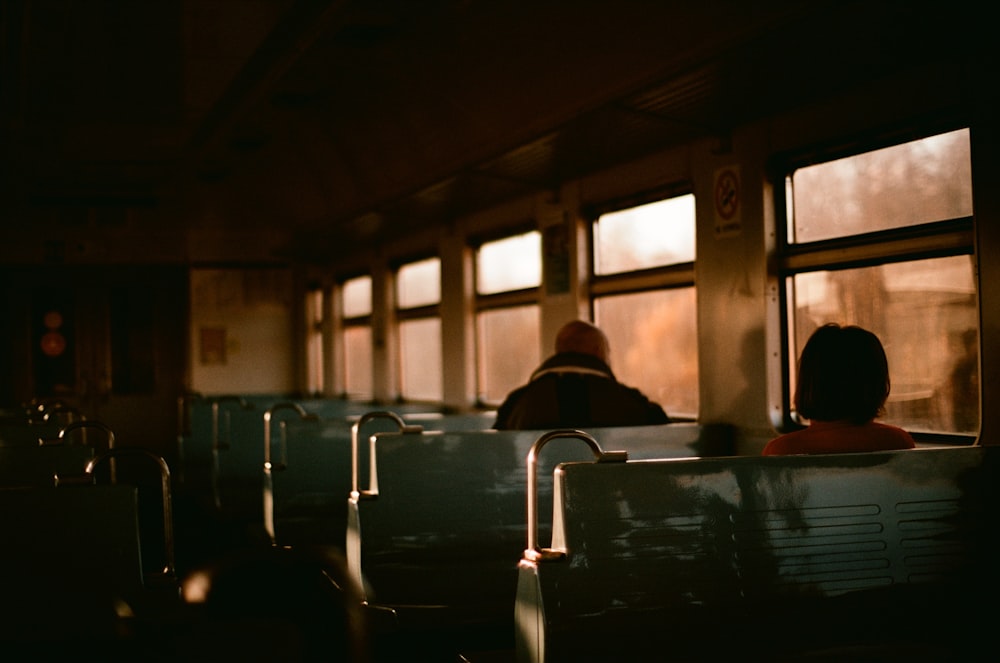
(339, 124)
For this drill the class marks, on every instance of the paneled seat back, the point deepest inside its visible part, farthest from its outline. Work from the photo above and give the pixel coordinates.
(435, 535)
(306, 488)
(73, 569)
(239, 437)
(779, 554)
(70, 556)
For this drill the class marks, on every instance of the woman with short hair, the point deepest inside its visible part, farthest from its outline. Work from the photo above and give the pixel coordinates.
(843, 383)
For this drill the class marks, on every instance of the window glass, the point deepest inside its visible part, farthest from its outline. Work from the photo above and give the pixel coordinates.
(420, 353)
(508, 349)
(315, 303)
(918, 182)
(925, 314)
(651, 235)
(512, 263)
(651, 312)
(359, 362)
(656, 324)
(922, 307)
(419, 283)
(357, 295)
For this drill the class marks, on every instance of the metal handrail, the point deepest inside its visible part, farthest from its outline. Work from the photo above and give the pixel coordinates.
(89, 423)
(270, 467)
(78, 425)
(217, 445)
(268, 416)
(184, 428)
(372, 490)
(533, 552)
(239, 400)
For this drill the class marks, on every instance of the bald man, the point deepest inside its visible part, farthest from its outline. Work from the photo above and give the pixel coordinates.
(575, 388)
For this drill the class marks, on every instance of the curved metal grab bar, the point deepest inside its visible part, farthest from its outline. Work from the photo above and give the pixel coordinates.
(168, 516)
(239, 400)
(218, 445)
(184, 412)
(270, 467)
(533, 552)
(77, 425)
(372, 490)
(268, 415)
(184, 428)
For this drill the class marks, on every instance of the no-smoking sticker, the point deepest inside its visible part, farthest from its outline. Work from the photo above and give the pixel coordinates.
(728, 220)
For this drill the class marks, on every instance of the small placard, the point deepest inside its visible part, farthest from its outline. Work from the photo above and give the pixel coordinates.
(728, 203)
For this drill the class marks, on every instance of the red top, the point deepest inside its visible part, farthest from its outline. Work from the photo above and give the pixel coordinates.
(831, 437)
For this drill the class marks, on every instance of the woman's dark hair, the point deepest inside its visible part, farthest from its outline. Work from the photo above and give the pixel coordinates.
(843, 375)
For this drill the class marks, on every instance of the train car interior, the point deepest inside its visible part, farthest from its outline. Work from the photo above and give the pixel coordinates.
(270, 269)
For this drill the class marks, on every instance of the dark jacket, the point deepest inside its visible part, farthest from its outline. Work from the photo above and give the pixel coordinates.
(571, 390)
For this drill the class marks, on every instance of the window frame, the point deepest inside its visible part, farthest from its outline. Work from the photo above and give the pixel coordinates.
(345, 322)
(921, 241)
(412, 313)
(496, 301)
(673, 276)
(316, 312)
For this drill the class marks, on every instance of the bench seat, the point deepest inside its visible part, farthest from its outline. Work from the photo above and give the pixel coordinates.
(437, 543)
(305, 493)
(764, 558)
(69, 555)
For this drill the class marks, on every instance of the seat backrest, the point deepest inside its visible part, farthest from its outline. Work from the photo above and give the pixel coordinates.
(306, 491)
(69, 540)
(239, 453)
(447, 525)
(671, 550)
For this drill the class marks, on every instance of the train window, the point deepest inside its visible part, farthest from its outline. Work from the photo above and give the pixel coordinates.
(315, 317)
(870, 266)
(508, 314)
(420, 354)
(418, 293)
(643, 297)
(419, 283)
(508, 264)
(650, 235)
(356, 297)
(903, 185)
(508, 340)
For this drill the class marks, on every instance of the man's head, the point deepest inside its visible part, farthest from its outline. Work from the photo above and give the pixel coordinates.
(584, 338)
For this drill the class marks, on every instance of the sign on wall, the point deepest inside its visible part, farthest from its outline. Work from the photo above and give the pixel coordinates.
(727, 193)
